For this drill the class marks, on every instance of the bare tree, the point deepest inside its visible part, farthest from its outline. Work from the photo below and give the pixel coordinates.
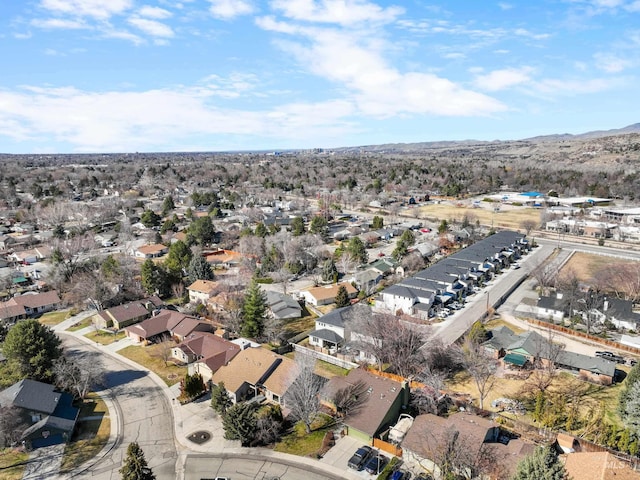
(546, 356)
(528, 225)
(388, 339)
(481, 367)
(12, 424)
(78, 374)
(164, 346)
(545, 274)
(351, 399)
(302, 395)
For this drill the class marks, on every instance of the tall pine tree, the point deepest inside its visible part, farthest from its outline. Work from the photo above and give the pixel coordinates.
(543, 464)
(135, 465)
(254, 311)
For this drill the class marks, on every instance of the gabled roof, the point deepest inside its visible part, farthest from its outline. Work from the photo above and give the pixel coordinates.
(31, 395)
(326, 292)
(282, 377)
(205, 345)
(597, 365)
(283, 306)
(336, 317)
(166, 321)
(10, 309)
(125, 312)
(551, 303)
(37, 300)
(152, 249)
(382, 393)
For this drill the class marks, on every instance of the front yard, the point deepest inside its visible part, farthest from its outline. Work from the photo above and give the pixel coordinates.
(92, 433)
(303, 444)
(54, 318)
(152, 357)
(12, 463)
(105, 338)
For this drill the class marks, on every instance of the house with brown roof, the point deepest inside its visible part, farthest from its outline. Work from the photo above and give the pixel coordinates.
(385, 399)
(205, 353)
(166, 324)
(244, 376)
(430, 435)
(279, 381)
(35, 303)
(598, 466)
(201, 290)
(151, 251)
(126, 314)
(222, 258)
(326, 294)
(10, 312)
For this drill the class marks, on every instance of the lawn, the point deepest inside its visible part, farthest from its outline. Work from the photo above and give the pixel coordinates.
(305, 444)
(105, 338)
(499, 322)
(328, 370)
(91, 434)
(12, 462)
(295, 326)
(151, 358)
(87, 322)
(54, 318)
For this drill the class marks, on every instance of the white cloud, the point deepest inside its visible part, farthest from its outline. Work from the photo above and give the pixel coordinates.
(522, 32)
(22, 36)
(501, 79)
(611, 63)
(342, 12)
(505, 6)
(151, 27)
(98, 9)
(572, 87)
(229, 9)
(123, 35)
(378, 89)
(163, 118)
(154, 12)
(58, 23)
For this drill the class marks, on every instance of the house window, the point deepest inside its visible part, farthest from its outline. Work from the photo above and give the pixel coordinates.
(276, 398)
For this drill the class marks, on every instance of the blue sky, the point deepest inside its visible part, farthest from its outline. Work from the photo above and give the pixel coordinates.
(211, 75)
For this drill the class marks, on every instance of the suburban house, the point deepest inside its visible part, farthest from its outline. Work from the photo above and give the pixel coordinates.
(223, 258)
(50, 413)
(11, 312)
(205, 353)
(127, 314)
(453, 277)
(366, 280)
(282, 306)
(551, 308)
(383, 402)
(326, 294)
(244, 376)
(386, 266)
(430, 434)
(166, 324)
(33, 255)
(201, 290)
(529, 348)
(276, 385)
(330, 330)
(598, 466)
(151, 251)
(35, 303)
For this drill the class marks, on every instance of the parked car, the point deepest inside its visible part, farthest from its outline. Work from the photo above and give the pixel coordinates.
(398, 475)
(515, 266)
(360, 457)
(610, 356)
(376, 464)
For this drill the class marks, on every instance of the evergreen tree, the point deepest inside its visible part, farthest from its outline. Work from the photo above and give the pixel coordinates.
(357, 249)
(254, 311)
(154, 278)
(220, 400)
(167, 205)
(342, 297)
(199, 269)
(192, 385)
(631, 412)
(149, 218)
(202, 230)
(329, 271)
(443, 227)
(240, 423)
(135, 465)
(261, 231)
(377, 223)
(297, 226)
(543, 464)
(32, 348)
(319, 226)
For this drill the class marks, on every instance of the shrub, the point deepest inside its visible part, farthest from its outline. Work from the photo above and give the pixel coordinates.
(388, 470)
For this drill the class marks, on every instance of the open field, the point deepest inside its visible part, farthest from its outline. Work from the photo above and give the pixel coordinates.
(508, 216)
(585, 265)
(12, 462)
(92, 433)
(150, 357)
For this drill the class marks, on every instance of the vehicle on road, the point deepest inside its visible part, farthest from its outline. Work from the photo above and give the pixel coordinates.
(515, 266)
(376, 464)
(360, 457)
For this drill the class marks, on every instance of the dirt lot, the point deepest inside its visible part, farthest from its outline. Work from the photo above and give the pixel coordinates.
(585, 265)
(507, 217)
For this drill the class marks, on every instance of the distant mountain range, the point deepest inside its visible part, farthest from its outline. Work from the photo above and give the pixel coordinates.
(635, 128)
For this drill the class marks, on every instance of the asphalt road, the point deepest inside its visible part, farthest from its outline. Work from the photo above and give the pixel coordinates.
(145, 414)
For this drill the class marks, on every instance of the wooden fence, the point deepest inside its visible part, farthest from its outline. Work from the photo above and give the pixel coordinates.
(387, 447)
(325, 357)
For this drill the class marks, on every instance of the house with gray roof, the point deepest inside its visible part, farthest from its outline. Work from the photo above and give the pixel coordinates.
(282, 306)
(49, 413)
(330, 330)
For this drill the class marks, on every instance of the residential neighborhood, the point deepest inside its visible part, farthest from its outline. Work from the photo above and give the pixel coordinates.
(271, 324)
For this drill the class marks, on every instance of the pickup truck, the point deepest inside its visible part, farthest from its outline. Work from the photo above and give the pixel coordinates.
(400, 429)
